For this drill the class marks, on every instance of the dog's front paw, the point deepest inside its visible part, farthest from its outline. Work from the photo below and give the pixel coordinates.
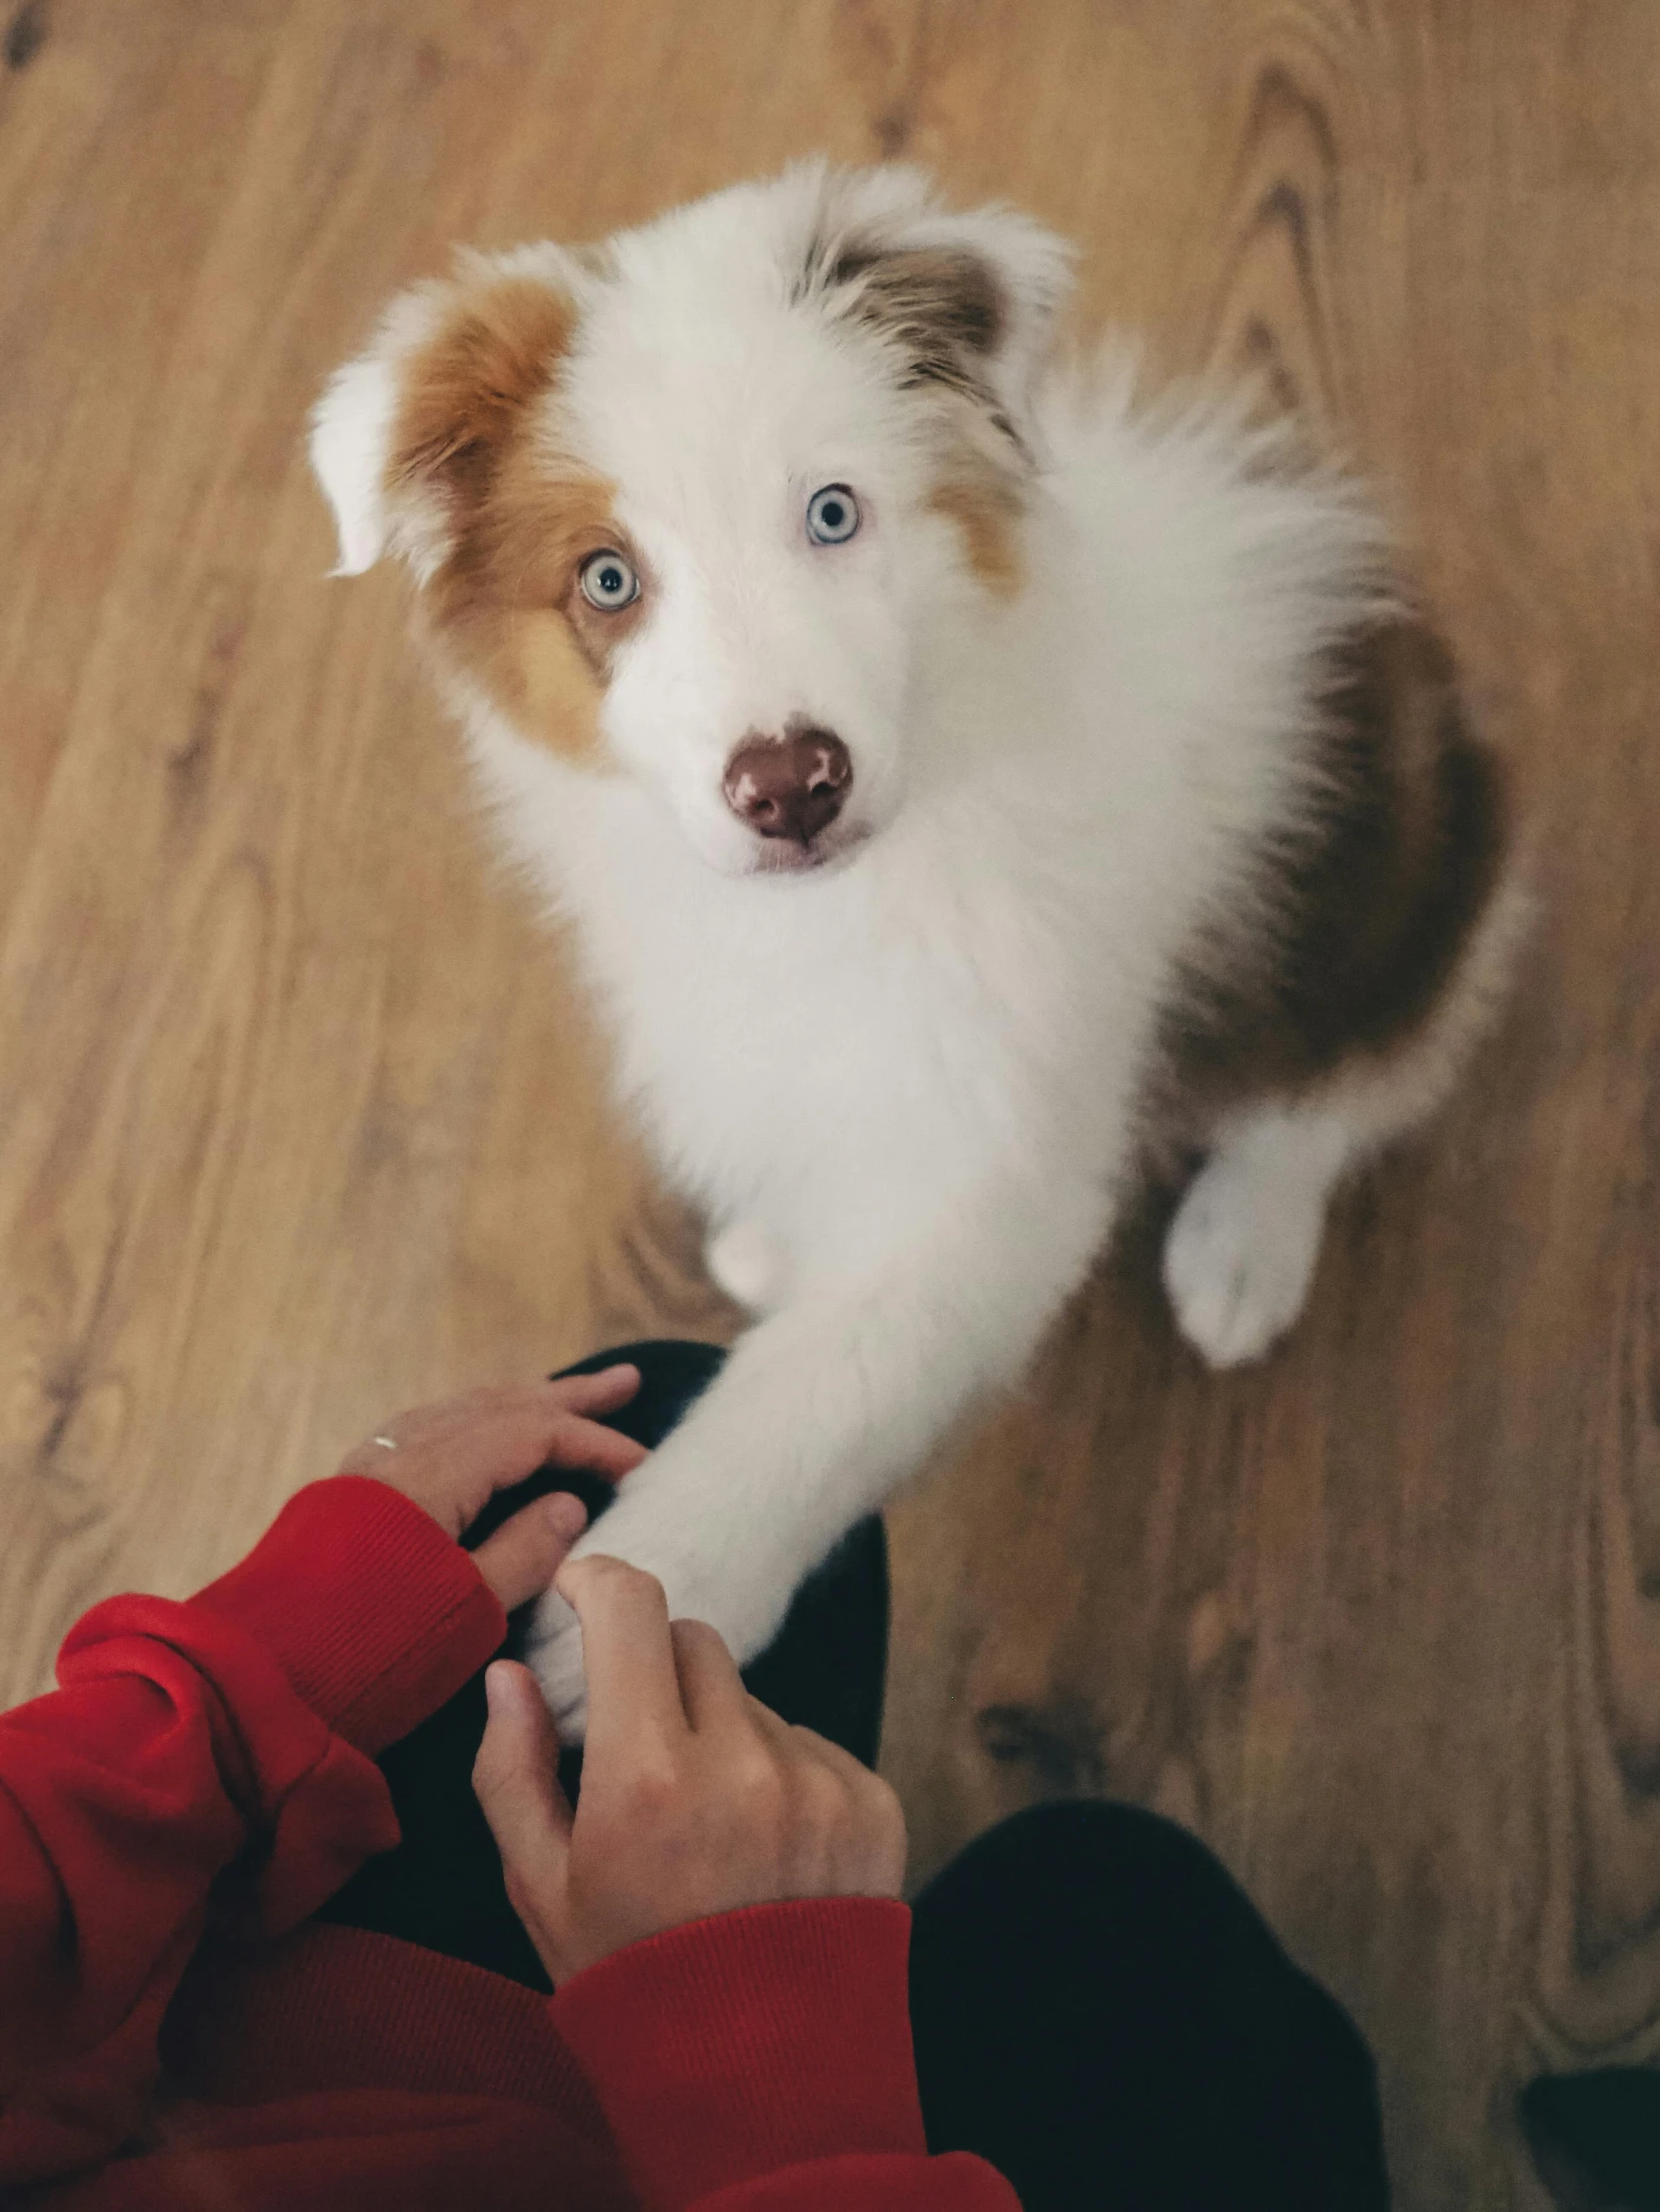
(1240, 1257)
(554, 1653)
(711, 1567)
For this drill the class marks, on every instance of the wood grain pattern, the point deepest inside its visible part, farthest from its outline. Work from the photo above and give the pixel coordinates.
(300, 1118)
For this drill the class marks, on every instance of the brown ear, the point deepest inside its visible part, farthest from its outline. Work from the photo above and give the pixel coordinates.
(941, 304)
(963, 302)
(407, 437)
(463, 392)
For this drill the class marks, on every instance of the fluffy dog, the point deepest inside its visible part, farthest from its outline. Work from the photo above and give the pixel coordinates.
(962, 780)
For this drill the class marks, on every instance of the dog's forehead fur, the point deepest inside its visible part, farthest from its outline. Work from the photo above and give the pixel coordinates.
(952, 304)
(776, 330)
(735, 356)
(717, 411)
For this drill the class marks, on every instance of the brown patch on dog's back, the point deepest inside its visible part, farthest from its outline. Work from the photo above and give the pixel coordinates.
(1414, 843)
(1378, 908)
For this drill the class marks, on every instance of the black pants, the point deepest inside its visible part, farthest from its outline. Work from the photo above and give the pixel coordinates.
(1098, 2010)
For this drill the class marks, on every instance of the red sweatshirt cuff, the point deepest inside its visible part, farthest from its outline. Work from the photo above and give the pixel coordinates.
(373, 1613)
(731, 2048)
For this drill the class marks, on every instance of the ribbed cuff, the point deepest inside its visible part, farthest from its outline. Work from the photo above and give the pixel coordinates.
(373, 1613)
(733, 2046)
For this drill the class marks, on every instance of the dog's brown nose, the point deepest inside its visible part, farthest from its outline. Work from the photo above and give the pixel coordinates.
(789, 786)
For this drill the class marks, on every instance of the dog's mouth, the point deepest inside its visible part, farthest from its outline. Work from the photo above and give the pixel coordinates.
(783, 856)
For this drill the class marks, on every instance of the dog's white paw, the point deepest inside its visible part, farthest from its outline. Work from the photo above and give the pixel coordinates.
(1240, 1256)
(745, 1264)
(554, 1655)
(710, 1560)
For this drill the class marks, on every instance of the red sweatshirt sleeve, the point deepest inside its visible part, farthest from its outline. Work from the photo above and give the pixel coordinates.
(761, 2061)
(232, 1735)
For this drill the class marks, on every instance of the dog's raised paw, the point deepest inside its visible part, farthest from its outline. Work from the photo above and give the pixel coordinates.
(553, 1654)
(1240, 1257)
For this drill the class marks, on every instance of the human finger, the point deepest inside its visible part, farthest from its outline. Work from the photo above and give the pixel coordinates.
(525, 1553)
(454, 1456)
(772, 1724)
(489, 1406)
(516, 1779)
(594, 1396)
(498, 1437)
(627, 1653)
(465, 1412)
(576, 1441)
(711, 1688)
(796, 1742)
(606, 1392)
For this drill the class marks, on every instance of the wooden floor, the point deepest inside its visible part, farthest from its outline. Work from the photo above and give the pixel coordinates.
(300, 1122)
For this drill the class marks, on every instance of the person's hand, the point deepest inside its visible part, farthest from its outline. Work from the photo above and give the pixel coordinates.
(450, 1458)
(697, 1799)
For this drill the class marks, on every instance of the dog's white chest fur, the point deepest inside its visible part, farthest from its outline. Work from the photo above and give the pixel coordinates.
(823, 1060)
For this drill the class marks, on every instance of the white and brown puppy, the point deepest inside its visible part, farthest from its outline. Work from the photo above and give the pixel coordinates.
(960, 781)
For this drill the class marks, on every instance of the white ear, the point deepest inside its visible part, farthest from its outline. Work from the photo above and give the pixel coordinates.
(1035, 268)
(488, 338)
(351, 434)
(352, 429)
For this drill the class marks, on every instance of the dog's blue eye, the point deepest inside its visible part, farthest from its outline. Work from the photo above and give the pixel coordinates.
(832, 515)
(608, 582)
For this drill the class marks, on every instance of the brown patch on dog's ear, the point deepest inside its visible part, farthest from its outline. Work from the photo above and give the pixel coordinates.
(941, 302)
(943, 307)
(465, 390)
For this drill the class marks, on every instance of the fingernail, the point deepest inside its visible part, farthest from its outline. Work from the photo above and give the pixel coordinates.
(566, 1516)
(495, 1688)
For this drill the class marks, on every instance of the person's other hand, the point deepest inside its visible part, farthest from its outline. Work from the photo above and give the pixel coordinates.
(450, 1459)
(697, 1799)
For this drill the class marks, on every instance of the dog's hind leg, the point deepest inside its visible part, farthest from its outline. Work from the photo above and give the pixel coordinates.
(1403, 913)
(1241, 1253)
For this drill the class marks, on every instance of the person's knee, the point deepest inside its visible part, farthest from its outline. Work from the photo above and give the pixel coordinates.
(1083, 1893)
(1087, 1856)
